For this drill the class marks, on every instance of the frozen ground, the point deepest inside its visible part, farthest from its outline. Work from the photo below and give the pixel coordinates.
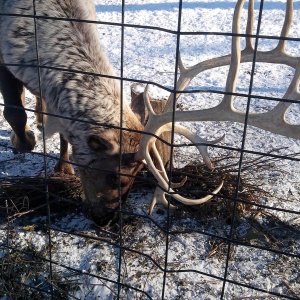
(87, 268)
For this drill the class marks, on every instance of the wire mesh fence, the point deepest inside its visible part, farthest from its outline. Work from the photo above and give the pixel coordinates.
(242, 241)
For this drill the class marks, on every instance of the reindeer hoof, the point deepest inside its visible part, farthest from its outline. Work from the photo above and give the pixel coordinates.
(64, 168)
(20, 146)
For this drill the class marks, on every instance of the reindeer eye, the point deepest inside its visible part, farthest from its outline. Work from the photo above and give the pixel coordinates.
(112, 181)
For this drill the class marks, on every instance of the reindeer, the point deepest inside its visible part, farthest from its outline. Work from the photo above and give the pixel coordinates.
(87, 110)
(82, 97)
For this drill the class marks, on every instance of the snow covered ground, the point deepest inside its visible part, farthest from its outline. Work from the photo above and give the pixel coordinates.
(87, 263)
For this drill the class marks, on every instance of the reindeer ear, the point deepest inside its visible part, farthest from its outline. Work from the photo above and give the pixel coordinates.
(103, 144)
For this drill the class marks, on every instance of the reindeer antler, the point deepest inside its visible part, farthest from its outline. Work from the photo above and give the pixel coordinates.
(148, 143)
(273, 120)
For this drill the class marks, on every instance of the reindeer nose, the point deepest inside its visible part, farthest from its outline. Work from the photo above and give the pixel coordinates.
(104, 219)
(101, 217)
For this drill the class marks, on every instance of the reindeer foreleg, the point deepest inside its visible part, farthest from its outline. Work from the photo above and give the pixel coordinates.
(12, 90)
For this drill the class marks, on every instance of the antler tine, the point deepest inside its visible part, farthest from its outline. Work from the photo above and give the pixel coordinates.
(292, 93)
(147, 140)
(288, 18)
(159, 196)
(162, 170)
(249, 27)
(227, 102)
(183, 81)
(147, 102)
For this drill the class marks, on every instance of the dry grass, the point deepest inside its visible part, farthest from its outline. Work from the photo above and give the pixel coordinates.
(21, 197)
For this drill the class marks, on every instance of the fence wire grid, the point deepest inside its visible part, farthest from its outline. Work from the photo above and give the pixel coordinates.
(244, 243)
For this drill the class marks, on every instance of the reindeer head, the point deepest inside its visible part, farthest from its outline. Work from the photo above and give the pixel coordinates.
(107, 166)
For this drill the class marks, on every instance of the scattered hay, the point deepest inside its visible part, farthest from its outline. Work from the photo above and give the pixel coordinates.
(241, 191)
(25, 275)
(23, 195)
(19, 196)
